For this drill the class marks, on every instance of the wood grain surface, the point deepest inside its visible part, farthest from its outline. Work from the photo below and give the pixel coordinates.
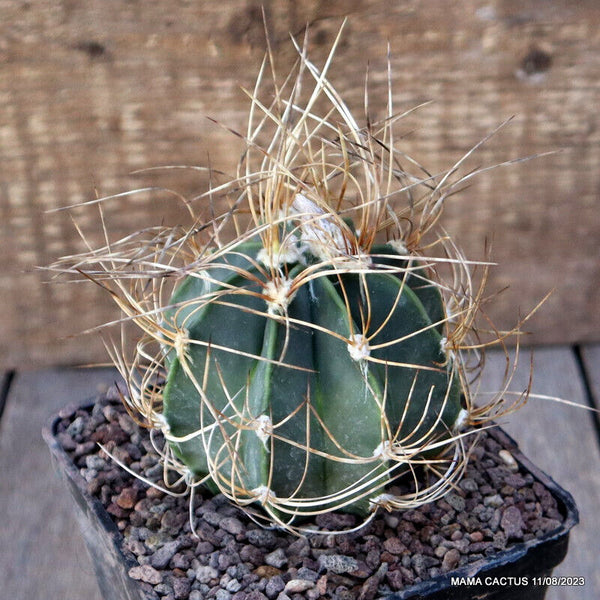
(590, 355)
(91, 91)
(43, 554)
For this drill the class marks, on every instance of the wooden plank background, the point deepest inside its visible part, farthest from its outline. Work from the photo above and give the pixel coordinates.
(90, 91)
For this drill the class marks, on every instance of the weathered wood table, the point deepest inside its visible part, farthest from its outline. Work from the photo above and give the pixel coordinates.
(43, 557)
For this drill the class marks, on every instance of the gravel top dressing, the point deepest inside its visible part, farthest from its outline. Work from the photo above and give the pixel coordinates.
(231, 558)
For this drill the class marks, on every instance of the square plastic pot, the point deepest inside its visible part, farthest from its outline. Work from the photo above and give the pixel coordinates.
(508, 575)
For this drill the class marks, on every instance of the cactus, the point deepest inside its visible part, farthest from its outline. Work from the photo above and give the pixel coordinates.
(304, 383)
(316, 345)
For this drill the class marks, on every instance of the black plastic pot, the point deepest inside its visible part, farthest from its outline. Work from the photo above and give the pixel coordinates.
(102, 537)
(523, 571)
(520, 572)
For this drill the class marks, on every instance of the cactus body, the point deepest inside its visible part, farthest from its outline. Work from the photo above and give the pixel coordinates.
(303, 402)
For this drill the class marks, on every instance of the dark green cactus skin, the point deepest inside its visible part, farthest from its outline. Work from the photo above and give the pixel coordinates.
(344, 396)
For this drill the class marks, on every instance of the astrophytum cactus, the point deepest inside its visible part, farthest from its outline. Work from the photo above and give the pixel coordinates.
(309, 343)
(309, 371)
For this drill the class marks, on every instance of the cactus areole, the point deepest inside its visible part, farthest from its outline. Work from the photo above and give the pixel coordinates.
(311, 374)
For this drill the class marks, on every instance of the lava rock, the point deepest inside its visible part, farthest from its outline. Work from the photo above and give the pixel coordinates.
(337, 563)
(146, 573)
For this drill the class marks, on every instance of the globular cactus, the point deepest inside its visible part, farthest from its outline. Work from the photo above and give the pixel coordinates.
(316, 344)
(310, 372)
